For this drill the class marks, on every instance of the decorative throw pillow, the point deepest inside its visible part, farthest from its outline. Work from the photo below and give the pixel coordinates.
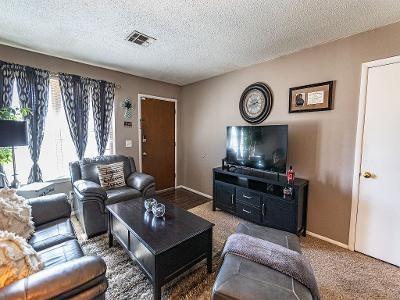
(15, 214)
(111, 176)
(17, 258)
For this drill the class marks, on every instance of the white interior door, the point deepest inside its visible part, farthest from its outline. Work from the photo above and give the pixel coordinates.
(378, 216)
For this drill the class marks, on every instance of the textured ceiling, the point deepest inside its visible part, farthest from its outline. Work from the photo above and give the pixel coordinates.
(195, 39)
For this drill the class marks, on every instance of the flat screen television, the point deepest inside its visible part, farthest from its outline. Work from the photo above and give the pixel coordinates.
(259, 147)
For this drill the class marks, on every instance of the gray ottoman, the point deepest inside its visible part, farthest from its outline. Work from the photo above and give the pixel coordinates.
(240, 278)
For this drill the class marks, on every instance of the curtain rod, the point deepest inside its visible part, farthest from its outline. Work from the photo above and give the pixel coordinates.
(55, 75)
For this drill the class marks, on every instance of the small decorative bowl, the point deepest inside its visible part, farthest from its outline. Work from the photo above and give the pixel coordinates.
(158, 210)
(149, 203)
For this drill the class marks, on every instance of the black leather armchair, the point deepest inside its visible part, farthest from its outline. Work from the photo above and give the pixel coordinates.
(91, 199)
(67, 272)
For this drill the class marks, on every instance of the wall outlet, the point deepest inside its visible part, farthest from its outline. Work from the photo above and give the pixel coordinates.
(128, 144)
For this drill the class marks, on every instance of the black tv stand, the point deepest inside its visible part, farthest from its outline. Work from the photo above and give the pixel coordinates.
(258, 197)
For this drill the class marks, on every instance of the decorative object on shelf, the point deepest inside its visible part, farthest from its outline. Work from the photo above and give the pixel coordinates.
(287, 192)
(149, 203)
(128, 108)
(255, 103)
(290, 175)
(288, 189)
(313, 97)
(158, 210)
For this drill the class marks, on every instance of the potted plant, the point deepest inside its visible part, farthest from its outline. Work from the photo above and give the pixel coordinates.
(9, 113)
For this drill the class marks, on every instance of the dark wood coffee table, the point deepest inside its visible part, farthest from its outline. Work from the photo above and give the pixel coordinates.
(163, 247)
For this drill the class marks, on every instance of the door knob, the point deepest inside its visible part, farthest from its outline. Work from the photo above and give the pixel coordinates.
(367, 174)
(144, 153)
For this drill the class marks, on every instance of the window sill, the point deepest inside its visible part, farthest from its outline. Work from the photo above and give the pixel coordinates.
(60, 180)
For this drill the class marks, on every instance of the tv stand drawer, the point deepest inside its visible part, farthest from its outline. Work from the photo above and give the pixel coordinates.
(248, 196)
(248, 212)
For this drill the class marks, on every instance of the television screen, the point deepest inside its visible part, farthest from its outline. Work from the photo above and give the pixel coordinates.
(260, 147)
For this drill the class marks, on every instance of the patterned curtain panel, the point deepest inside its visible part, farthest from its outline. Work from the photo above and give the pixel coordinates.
(6, 84)
(102, 104)
(3, 181)
(33, 93)
(75, 92)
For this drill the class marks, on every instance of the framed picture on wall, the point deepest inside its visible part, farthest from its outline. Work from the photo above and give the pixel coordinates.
(312, 97)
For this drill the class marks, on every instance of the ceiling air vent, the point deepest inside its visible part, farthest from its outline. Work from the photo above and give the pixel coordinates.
(140, 38)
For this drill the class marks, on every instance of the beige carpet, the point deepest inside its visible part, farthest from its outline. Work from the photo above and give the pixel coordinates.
(341, 274)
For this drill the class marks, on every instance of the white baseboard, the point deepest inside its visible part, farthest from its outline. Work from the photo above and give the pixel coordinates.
(194, 191)
(321, 237)
(166, 190)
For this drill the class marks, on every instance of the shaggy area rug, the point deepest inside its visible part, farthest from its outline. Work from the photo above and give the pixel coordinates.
(341, 274)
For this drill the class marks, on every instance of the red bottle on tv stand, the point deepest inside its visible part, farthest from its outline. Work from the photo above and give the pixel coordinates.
(290, 175)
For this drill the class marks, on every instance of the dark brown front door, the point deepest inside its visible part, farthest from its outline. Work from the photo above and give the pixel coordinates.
(158, 141)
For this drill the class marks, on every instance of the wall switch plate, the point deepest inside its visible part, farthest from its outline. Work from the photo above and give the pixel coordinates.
(128, 144)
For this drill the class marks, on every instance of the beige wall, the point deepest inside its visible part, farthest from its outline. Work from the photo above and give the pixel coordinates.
(131, 86)
(321, 144)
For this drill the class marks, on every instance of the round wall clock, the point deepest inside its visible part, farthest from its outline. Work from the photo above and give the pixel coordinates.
(256, 103)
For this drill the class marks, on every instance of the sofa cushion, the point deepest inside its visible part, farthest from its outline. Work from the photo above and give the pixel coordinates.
(122, 194)
(282, 238)
(89, 172)
(240, 278)
(111, 176)
(60, 253)
(140, 181)
(89, 166)
(17, 258)
(52, 233)
(15, 214)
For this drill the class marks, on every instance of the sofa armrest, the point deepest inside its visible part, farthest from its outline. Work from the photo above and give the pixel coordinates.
(90, 188)
(140, 181)
(61, 281)
(49, 208)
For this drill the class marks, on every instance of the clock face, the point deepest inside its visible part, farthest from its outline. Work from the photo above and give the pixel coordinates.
(255, 103)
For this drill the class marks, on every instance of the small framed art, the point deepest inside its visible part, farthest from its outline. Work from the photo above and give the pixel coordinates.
(312, 97)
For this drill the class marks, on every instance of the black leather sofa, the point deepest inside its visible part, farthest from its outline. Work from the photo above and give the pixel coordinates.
(90, 199)
(67, 272)
(240, 278)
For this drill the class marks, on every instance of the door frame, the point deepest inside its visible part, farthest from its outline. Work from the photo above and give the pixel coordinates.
(140, 97)
(359, 142)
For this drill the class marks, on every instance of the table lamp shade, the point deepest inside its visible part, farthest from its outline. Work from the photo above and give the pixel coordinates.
(13, 133)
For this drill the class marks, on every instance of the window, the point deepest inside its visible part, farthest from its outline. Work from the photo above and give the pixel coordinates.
(57, 147)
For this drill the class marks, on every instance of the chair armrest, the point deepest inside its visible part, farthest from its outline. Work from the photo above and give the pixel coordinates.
(139, 181)
(61, 281)
(49, 208)
(90, 188)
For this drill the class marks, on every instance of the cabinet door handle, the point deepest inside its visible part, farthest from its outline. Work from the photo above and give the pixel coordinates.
(246, 211)
(232, 199)
(263, 210)
(247, 197)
